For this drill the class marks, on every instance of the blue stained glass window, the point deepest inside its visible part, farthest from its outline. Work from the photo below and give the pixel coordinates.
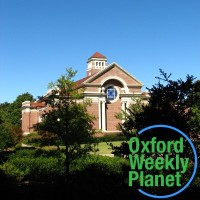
(111, 93)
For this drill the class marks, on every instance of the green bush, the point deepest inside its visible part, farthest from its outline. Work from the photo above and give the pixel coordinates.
(101, 176)
(6, 138)
(12, 171)
(31, 139)
(35, 139)
(104, 164)
(95, 171)
(41, 165)
(34, 165)
(110, 138)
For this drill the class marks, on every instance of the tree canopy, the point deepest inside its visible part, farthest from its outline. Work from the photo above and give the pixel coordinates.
(172, 102)
(10, 120)
(67, 118)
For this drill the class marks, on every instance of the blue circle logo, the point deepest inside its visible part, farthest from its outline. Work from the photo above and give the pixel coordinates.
(195, 160)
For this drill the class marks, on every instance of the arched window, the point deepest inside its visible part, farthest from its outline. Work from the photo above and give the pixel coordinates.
(111, 93)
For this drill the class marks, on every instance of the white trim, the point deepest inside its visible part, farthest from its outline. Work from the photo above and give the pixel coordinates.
(118, 79)
(103, 115)
(123, 108)
(109, 67)
(133, 86)
(99, 108)
(112, 131)
(26, 133)
(93, 99)
(137, 93)
(91, 92)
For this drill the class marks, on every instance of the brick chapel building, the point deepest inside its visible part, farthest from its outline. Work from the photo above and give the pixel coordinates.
(110, 88)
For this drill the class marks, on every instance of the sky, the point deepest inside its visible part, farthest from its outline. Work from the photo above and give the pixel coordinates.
(39, 39)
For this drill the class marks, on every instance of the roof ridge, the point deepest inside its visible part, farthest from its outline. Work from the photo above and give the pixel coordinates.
(97, 55)
(107, 68)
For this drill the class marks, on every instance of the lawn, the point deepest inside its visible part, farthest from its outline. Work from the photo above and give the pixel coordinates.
(103, 147)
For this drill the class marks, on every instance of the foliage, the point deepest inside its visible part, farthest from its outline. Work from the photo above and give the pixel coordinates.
(15, 108)
(101, 163)
(92, 176)
(44, 166)
(130, 117)
(12, 171)
(10, 121)
(34, 165)
(6, 139)
(194, 111)
(175, 103)
(9, 136)
(37, 140)
(110, 138)
(67, 120)
(168, 104)
(11, 112)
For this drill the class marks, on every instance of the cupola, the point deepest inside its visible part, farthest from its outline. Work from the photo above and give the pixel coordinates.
(96, 63)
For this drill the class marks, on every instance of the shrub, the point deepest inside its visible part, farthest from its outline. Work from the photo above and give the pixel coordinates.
(101, 176)
(12, 171)
(6, 139)
(100, 164)
(110, 138)
(34, 165)
(35, 139)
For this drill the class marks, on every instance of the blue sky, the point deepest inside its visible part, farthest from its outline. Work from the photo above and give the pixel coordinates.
(40, 38)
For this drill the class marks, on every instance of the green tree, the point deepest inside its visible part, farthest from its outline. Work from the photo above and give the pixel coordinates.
(68, 118)
(4, 113)
(15, 108)
(194, 111)
(10, 121)
(11, 112)
(6, 138)
(174, 103)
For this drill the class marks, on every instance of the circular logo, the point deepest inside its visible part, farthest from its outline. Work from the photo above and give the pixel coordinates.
(195, 160)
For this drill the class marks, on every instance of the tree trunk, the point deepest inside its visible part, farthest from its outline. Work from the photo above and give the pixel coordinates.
(67, 162)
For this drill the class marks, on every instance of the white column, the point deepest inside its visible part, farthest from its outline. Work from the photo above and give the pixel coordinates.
(123, 109)
(100, 117)
(103, 115)
(123, 105)
(26, 111)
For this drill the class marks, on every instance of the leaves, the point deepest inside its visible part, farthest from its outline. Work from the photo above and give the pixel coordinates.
(67, 117)
(172, 102)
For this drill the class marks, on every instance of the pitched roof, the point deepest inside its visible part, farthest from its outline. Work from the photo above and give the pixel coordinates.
(97, 55)
(108, 68)
(37, 104)
(79, 82)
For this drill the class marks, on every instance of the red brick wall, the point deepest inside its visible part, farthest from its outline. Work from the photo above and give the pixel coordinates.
(111, 110)
(116, 72)
(92, 89)
(92, 71)
(93, 110)
(25, 122)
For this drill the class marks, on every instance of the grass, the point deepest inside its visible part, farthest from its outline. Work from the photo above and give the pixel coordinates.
(103, 147)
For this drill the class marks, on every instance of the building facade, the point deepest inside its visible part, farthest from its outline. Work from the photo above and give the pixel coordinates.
(110, 89)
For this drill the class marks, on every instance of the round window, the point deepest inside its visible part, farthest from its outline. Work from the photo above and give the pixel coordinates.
(111, 93)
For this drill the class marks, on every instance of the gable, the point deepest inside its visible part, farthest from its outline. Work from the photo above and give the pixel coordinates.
(113, 71)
